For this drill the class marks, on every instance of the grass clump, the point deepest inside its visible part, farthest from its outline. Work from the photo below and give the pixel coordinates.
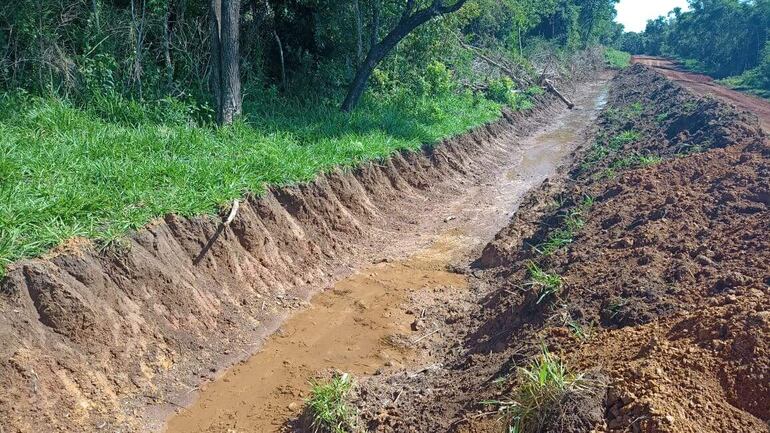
(503, 90)
(573, 221)
(616, 59)
(541, 386)
(328, 406)
(547, 285)
(626, 137)
(99, 171)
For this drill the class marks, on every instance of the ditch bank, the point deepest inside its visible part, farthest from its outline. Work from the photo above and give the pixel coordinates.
(90, 338)
(635, 289)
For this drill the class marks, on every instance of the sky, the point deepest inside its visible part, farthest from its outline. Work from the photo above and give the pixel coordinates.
(633, 14)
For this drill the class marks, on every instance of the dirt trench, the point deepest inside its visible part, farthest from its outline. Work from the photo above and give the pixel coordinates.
(115, 339)
(373, 321)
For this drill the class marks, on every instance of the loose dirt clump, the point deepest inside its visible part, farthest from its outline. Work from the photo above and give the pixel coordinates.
(648, 265)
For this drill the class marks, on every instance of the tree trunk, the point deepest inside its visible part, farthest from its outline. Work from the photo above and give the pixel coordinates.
(280, 53)
(359, 32)
(408, 22)
(231, 75)
(167, 29)
(225, 71)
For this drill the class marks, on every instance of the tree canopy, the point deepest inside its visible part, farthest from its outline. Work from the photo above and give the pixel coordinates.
(151, 49)
(720, 37)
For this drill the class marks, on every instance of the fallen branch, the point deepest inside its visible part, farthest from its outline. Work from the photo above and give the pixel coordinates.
(426, 335)
(550, 87)
(496, 63)
(398, 396)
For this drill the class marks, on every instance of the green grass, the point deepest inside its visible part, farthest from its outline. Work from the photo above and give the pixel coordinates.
(540, 388)
(329, 408)
(626, 137)
(547, 285)
(572, 222)
(616, 59)
(749, 82)
(100, 172)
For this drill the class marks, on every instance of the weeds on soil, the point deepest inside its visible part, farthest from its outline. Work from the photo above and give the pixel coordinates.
(540, 387)
(616, 59)
(573, 222)
(328, 406)
(546, 284)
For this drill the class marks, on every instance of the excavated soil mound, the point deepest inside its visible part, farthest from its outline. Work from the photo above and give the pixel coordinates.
(658, 235)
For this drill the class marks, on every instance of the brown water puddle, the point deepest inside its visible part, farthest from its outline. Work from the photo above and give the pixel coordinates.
(354, 326)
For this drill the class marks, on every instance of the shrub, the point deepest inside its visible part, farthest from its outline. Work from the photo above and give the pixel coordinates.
(438, 79)
(616, 59)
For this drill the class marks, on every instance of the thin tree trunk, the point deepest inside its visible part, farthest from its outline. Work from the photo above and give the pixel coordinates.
(359, 32)
(374, 37)
(138, 28)
(95, 11)
(280, 54)
(167, 46)
(215, 18)
(225, 71)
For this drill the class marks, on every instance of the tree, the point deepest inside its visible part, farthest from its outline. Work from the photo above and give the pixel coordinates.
(225, 71)
(411, 18)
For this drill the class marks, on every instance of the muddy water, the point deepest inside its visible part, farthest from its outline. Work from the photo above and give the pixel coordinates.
(362, 323)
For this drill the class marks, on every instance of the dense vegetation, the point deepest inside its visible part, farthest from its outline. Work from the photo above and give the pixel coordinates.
(724, 38)
(107, 119)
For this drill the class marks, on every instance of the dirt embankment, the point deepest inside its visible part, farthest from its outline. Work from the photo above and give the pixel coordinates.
(705, 85)
(659, 241)
(88, 338)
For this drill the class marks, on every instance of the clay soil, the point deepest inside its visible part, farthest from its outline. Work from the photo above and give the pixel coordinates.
(664, 306)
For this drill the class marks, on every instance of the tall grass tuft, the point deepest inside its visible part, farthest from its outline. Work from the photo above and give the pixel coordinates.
(541, 386)
(328, 406)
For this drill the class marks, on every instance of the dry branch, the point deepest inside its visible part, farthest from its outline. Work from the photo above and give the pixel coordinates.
(498, 63)
(551, 88)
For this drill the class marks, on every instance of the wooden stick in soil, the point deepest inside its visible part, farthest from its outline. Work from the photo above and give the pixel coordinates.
(550, 87)
(426, 335)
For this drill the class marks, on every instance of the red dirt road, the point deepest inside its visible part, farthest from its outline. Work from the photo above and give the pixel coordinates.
(703, 85)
